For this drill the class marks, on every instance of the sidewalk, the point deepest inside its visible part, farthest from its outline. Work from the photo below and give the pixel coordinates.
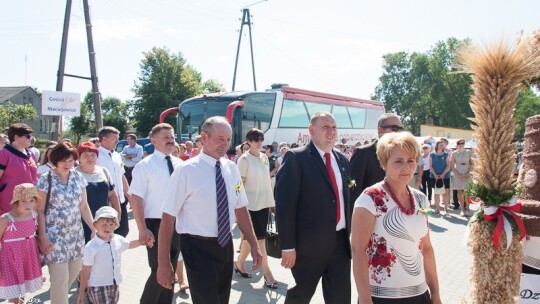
(453, 267)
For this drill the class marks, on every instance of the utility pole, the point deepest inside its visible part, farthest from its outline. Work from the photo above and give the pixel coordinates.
(96, 96)
(246, 20)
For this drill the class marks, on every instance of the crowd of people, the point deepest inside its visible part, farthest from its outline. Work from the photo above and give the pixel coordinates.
(70, 212)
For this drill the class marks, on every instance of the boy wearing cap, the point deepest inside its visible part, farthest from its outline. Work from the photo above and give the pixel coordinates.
(100, 275)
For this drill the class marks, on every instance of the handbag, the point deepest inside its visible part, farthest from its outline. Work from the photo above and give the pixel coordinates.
(272, 238)
(439, 186)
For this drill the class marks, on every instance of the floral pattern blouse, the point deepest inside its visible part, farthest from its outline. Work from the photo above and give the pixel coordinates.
(63, 223)
(396, 264)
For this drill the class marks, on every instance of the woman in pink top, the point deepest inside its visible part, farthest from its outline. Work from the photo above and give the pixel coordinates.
(18, 165)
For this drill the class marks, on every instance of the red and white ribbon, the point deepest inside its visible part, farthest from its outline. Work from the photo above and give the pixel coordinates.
(496, 213)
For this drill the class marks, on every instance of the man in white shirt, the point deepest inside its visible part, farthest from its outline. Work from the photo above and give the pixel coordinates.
(148, 189)
(132, 153)
(199, 190)
(110, 159)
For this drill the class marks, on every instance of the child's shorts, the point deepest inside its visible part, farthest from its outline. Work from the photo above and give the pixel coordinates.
(103, 294)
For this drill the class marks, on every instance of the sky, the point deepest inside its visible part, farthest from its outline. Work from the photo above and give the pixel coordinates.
(328, 46)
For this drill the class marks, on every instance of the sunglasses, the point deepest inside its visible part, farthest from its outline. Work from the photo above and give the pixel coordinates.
(460, 143)
(28, 136)
(260, 138)
(394, 128)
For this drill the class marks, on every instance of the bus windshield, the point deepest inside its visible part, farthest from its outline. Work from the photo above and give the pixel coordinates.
(256, 113)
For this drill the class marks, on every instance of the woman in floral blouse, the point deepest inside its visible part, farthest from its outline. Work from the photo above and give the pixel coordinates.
(61, 238)
(393, 260)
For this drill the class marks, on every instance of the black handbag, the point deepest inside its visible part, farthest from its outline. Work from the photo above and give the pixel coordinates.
(272, 238)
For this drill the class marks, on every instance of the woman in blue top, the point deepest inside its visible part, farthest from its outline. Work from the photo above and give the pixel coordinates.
(439, 167)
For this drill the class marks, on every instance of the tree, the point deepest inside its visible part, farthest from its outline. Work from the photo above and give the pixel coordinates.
(528, 104)
(164, 81)
(212, 86)
(11, 113)
(82, 125)
(423, 87)
(115, 114)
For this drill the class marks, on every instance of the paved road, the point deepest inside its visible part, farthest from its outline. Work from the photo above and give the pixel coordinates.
(453, 263)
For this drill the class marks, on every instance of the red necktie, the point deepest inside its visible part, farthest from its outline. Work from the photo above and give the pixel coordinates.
(334, 184)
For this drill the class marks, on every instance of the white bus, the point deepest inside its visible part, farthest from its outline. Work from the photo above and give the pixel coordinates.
(282, 113)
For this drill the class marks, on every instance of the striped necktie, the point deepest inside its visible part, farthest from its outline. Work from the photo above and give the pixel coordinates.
(224, 228)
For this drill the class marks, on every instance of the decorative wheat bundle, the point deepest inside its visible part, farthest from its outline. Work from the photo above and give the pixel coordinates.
(499, 72)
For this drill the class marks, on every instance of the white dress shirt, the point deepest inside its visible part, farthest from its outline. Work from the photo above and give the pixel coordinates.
(113, 162)
(105, 267)
(191, 195)
(339, 181)
(137, 149)
(149, 182)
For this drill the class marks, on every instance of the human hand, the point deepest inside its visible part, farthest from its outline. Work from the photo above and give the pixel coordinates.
(150, 243)
(146, 236)
(165, 275)
(288, 258)
(45, 246)
(256, 256)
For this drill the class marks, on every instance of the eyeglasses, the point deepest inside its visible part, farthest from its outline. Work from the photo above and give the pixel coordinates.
(425, 148)
(28, 136)
(260, 138)
(394, 128)
(460, 143)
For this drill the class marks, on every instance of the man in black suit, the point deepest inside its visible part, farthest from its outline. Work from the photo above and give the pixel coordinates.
(365, 167)
(313, 215)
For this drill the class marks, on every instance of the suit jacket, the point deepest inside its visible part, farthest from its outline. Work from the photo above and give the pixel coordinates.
(365, 169)
(306, 202)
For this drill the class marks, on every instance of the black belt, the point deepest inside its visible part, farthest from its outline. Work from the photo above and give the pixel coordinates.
(198, 237)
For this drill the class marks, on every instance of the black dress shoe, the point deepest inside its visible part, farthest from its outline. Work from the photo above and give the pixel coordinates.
(243, 274)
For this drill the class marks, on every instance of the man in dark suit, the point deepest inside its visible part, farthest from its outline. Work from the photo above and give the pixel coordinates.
(313, 215)
(365, 167)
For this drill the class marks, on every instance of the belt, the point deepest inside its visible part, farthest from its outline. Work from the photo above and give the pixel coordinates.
(198, 237)
(20, 239)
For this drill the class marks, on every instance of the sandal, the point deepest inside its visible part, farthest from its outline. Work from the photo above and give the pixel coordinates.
(272, 285)
(183, 285)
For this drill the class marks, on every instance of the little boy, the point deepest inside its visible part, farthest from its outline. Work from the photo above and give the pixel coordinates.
(100, 275)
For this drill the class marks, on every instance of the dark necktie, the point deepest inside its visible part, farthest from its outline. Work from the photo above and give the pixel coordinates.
(334, 183)
(224, 228)
(169, 164)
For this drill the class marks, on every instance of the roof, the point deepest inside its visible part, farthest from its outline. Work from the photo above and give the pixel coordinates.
(8, 92)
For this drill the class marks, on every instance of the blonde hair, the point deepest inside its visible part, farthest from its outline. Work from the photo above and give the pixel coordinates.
(402, 140)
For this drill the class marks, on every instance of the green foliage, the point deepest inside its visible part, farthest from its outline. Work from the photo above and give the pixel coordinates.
(115, 114)
(488, 196)
(164, 81)
(425, 87)
(212, 86)
(10, 114)
(528, 104)
(81, 126)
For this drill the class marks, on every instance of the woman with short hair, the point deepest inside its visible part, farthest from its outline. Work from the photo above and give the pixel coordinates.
(393, 260)
(100, 186)
(18, 165)
(60, 230)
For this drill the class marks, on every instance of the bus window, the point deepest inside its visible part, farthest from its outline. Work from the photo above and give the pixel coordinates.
(372, 118)
(313, 108)
(358, 117)
(342, 117)
(257, 112)
(293, 114)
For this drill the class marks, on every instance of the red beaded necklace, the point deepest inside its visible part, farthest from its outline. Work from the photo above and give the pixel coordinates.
(394, 197)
